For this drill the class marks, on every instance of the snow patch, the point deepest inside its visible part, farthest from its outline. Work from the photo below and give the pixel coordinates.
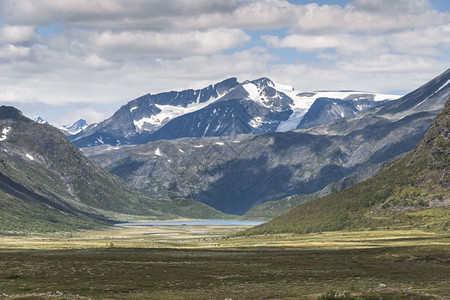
(382, 97)
(158, 152)
(140, 123)
(293, 121)
(256, 122)
(219, 143)
(206, 130)
(29, 156)
(181, 150)
(443, 86)
(170, 112)
(5, 133)
(199, 146)
(252, 91)
(133, 108)
(283, 87)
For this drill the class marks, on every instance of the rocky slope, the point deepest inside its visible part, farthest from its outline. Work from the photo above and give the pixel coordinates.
(327, 110)
(413, 191)
(46, 183)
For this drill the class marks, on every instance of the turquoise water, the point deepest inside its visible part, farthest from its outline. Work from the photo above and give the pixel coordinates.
(194, 223)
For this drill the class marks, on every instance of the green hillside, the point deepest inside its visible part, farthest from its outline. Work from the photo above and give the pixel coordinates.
(47, 184)
(411, 192)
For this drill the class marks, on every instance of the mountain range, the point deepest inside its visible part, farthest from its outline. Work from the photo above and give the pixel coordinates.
(226, 108)
(182, 166)
(236, 172)
(68, 130)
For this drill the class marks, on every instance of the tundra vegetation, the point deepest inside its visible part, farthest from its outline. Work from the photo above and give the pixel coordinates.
(205, 262)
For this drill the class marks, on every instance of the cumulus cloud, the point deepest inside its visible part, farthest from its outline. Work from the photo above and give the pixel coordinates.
(12, 52)
(144, 43)
(158, 15)
(303, 42)
(369, 16)
(428, 41)
(107, 52)
(16, 34)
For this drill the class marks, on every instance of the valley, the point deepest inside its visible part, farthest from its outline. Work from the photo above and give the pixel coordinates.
(383, 238)
(230, 150)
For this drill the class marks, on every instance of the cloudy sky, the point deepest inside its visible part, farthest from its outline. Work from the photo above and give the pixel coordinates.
(65, 59)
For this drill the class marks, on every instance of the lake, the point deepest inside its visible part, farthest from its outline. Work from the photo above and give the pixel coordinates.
(194, 223)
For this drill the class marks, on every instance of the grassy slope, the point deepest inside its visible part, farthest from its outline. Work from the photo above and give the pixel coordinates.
(398, 196)
(271, 209)
(18, 215)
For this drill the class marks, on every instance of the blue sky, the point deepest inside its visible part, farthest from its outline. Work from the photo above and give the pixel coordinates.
(67, 59)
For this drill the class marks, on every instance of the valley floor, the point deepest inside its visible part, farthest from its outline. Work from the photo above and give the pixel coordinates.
(199, 263)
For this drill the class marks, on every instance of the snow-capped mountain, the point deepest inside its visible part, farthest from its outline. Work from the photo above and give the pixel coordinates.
(225, 108)
(303, 101)
(326, 110)
(236, 173)
(75, 128)
(40, 121)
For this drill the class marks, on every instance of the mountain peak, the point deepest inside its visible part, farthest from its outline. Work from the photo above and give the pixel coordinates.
(226, 84)
(10, 112)
(75, 128)
(41, 121)
(263, 81)
(80, 122)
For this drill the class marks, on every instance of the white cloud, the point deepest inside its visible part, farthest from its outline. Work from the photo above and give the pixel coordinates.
(9, 96)
(428, 41)
(16, 34)
(389, 7)
(97, 62)
(145, 44)
(303, 42)
(160, 15)
(107, 52)
(390, 63)
(369, 16)
(12, 52)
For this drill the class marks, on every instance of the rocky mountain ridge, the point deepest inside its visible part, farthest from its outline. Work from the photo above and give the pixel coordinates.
(225, 108)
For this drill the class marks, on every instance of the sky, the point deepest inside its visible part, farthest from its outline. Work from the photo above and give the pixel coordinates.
(65, 60)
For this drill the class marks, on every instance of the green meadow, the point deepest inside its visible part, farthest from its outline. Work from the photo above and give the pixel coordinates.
(207, 262)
